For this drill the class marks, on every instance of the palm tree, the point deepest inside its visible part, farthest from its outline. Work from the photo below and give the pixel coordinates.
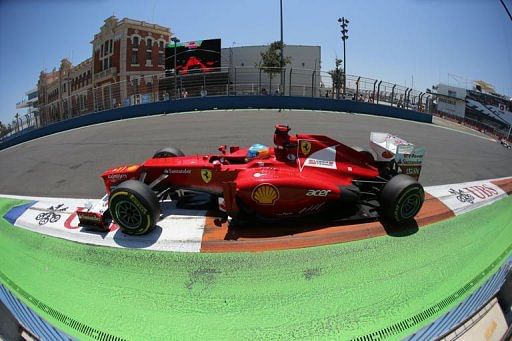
(18, 121)
(337, 77)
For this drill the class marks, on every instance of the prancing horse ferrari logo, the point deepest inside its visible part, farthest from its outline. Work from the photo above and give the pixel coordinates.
(305, 147)
(206, 174)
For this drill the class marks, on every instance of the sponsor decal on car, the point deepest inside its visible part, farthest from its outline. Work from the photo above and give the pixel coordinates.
(317, 192)
(117, 176)
(206, 175)
(410, 160)
(323, 158)
(320, 163)
(312, 209)
(179, 171)
(137, 203)
(305, 147)
(265, 194)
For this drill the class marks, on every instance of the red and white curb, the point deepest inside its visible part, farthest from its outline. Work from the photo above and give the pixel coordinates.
(188, 230)
(180, 230)
(467, 196)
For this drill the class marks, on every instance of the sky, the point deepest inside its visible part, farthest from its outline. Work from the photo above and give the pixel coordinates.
(428, 41)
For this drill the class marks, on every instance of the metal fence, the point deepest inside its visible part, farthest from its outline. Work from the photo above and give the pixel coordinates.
(231, 82)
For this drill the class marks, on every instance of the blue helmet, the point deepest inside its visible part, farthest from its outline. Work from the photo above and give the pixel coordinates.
(258, 150)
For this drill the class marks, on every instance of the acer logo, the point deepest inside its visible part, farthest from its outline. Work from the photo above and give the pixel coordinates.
(318, 192)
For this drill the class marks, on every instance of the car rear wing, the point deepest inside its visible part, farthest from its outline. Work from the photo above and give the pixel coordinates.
(406, 156)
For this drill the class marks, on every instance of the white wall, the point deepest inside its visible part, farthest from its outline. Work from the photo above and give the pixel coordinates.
(304, 66)
(456, 104)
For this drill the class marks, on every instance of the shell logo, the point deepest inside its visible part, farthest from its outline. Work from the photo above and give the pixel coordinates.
(265, 194)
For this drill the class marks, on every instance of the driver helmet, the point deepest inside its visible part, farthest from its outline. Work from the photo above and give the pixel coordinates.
(258, 151)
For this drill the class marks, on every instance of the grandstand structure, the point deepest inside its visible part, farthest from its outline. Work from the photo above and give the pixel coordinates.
(481, 107)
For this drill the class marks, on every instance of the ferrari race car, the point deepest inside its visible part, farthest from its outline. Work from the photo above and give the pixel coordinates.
(301, 175)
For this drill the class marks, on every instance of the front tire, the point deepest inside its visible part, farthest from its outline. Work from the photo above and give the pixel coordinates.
(168, 152)
(134, 207)
(401, 199)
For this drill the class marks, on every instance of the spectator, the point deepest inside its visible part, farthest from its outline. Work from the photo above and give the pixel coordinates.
(184, 93)
(204, 93)
(264, 91)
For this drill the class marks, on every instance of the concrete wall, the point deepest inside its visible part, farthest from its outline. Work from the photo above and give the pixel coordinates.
(456, 104)
(221, 102)
(304, 60)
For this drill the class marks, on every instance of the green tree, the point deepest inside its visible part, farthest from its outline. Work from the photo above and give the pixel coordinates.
(271, 60)
(337, 77)
(3, 129)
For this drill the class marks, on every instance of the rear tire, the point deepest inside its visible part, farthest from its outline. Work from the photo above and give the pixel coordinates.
(401, 199)
(367, 155)
(134, 207)
(168, 152)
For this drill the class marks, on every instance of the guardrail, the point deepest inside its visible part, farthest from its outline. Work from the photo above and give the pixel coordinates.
(220, 102)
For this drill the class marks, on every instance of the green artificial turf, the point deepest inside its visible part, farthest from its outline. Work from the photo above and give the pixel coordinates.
(337, 292)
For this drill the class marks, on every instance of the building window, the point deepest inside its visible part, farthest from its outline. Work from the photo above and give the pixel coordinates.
(101, 53)
(148, 56)
(110, 46)
(106, 47)
(105, 63)
(135, 59)
(149, 45)
(135, 85)
(160, 59)
(452, 93)
(110, 61)
(161, 45)
(64, 88)
(135, 41)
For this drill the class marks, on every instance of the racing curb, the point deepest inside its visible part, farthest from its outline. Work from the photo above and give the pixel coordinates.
(198, 231)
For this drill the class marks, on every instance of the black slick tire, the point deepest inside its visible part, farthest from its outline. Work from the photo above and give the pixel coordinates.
(134, 207)
(401, 199)
(168, 152)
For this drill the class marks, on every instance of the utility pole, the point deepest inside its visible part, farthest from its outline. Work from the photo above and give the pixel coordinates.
(282, 49)
(344, 30)
(175, 40)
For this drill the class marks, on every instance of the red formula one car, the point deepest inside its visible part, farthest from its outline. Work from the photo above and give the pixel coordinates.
(301, 175)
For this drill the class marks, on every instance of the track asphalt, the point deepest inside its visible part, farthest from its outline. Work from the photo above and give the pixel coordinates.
(68, 164)
(387, 284)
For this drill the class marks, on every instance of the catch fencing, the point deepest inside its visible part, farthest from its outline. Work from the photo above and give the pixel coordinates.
(234, 81)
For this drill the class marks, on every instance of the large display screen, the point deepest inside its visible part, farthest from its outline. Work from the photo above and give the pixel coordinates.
(193, 56)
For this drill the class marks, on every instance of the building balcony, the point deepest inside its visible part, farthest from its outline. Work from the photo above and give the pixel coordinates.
(108, 73)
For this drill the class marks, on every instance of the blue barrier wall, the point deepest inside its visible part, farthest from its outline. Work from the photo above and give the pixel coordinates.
(220, 102)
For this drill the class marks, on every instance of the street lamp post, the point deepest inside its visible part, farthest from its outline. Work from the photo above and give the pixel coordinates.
(282, 50)
(344, 24)
(175, 40)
